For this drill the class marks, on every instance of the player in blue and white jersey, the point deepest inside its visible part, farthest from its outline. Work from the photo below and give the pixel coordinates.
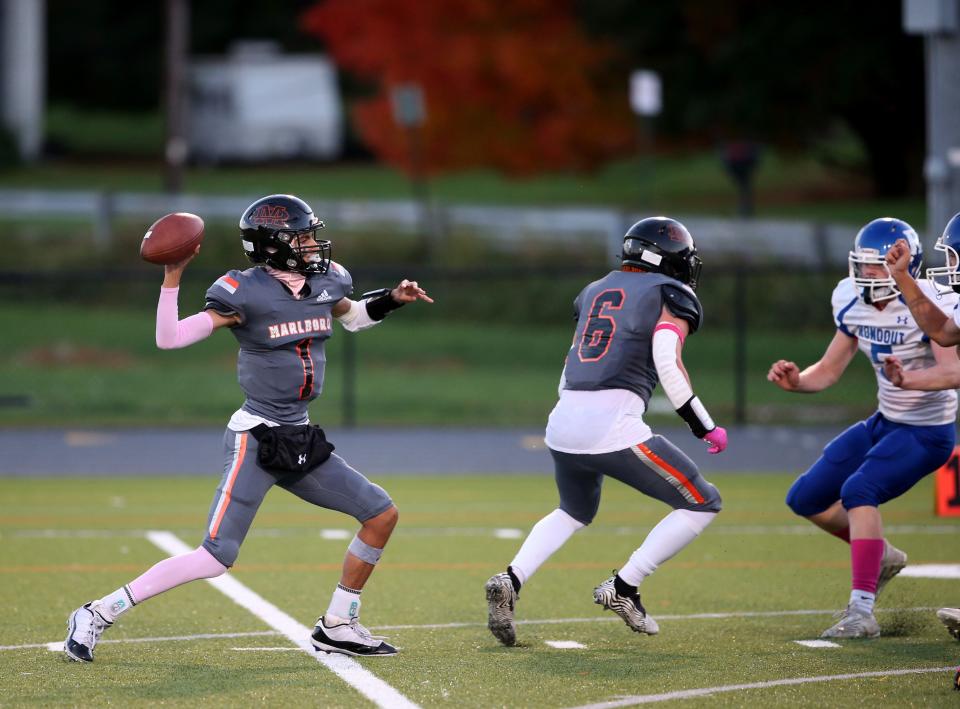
(281, 312)
(941, 328)
(910, 435)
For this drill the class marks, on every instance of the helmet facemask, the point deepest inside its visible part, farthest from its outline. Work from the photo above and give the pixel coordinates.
(872, 289)
(946, 277)
(280, 249)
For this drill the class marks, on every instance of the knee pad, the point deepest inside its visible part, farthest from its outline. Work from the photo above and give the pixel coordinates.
(800, 501)
(223, 551)
(859, 491)
(364, 551)
(582, 519)
(712, 502)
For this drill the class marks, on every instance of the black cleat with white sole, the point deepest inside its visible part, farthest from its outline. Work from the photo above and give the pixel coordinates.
(501, 602)
(629, 608)
(348, 637)
(84, 628)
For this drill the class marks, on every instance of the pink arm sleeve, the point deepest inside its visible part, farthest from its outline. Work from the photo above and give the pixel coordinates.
(173, 334)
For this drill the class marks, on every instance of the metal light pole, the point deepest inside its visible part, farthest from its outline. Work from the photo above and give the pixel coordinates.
(175, 146)
(939, 23)
(409, 112)
(646, 102)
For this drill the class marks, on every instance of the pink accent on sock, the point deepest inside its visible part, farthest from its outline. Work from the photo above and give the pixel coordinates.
(865, 558)
(173, 334)
(843, 534)
(172, 572)
(293, 281)
(670, 326)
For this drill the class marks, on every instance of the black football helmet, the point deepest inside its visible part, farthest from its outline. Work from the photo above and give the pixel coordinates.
(662, 245)
(269, 229)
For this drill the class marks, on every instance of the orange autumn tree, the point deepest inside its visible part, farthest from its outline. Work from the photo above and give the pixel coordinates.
(514, 85)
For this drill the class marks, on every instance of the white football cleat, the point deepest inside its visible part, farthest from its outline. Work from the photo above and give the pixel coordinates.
(893, 563)
(501, 602)
(348, 637)
(84, 628)
(950, 617)
(853, 623)
(630, 609)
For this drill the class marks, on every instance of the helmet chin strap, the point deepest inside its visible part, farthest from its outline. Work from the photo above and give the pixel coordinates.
(872, 295)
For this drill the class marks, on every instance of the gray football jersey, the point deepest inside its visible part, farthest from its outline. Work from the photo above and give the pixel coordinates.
(613, 345)
(281, 361)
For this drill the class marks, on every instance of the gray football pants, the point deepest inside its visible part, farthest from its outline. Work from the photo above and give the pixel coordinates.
(334, 485)
(656, 468)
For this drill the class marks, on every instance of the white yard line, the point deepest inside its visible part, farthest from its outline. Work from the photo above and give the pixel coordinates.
(346, 668)
(565, 644)
(58, 645)
(707, 691)
(267, 649)
(932, 571)
(817, 643)
(690, 616)
(336, 534)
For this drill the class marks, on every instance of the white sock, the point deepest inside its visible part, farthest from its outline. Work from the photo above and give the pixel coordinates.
(547, 535)
(862, 600)
(672, 534)
(115, 604)
(345, 603)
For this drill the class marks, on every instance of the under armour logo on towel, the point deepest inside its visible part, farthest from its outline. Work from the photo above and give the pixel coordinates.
(301, 459)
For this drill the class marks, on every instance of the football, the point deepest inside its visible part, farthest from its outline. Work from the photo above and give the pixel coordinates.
(171, 238)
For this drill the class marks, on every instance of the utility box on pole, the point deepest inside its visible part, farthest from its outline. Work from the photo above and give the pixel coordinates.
(939, 23)
(23, 74)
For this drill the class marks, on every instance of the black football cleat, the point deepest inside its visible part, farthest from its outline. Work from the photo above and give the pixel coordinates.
(348, 637)
(84, 628)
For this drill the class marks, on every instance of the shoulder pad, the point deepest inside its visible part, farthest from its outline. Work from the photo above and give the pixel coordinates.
(682, 304)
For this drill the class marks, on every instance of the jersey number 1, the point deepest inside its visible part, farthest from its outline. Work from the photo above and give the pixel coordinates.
(598, 332)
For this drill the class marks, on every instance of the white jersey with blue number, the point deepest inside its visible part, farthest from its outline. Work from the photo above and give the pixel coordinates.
(893, 331)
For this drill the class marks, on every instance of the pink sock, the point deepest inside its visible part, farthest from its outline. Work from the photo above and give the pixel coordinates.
(170, 573)
(843, 534)
(865, 558)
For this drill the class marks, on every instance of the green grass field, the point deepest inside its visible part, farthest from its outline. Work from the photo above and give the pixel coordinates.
(67, 541)
(100, 366)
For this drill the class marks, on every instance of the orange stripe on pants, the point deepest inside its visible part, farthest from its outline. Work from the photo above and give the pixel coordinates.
(672, 472)
(225, 495)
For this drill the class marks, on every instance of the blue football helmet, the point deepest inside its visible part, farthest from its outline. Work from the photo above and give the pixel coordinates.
(949, 243)
(869, 249)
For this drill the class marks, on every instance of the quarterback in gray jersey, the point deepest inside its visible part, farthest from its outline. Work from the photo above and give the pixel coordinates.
(631, 325)
(281, 312)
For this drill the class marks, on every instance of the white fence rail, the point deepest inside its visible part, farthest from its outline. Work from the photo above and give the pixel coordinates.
(790, 241)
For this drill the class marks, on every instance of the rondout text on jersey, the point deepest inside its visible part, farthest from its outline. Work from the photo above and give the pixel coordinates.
(880, 335)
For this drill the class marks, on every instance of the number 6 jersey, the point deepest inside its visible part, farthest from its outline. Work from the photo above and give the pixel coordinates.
(893, 331)
(609, 372)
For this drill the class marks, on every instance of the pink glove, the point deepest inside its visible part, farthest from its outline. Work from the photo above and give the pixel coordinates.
(717, 438)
